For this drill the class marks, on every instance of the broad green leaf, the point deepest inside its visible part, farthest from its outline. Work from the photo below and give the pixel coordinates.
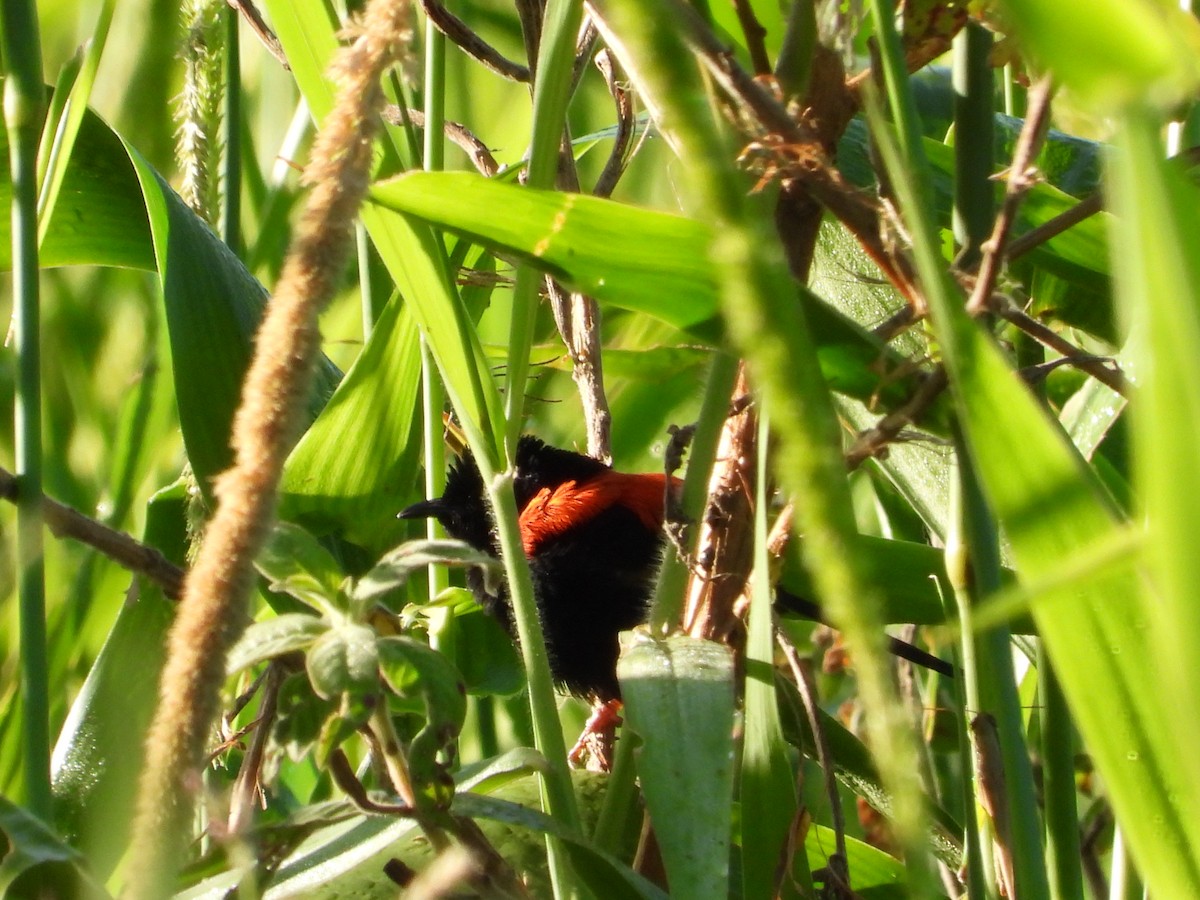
(356, 464)
(673, 687)
(273, 637)
(298, 565)
(874, 875)
(99, 217)
(65, 117)
(99, 752)
(213, 307)
(910, 577)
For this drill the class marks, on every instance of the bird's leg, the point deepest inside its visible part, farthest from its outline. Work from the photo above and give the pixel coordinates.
(593, 750)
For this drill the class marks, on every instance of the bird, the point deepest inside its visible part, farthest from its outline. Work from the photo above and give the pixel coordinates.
(594, 540)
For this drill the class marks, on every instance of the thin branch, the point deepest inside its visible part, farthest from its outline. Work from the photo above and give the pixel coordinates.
(344, 777)
(248, 787)
(472, 44)
(459, 134)
(755, 36)
(578, 319)
(618, 157)
(1020, 180)
(1104, 370)
(248, 11)
(801, 671)
(1035, 237)
(583, 50)
(139, 558)
(875, 439)
(529, 13)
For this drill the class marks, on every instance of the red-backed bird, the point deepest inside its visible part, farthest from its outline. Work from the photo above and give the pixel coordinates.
(594, 540)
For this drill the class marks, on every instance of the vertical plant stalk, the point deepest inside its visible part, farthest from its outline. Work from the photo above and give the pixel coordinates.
(766, 322)
(24, 107)
(1065, 873)
(197, 140)
(554, 52)
(231, 209)
(212, 612)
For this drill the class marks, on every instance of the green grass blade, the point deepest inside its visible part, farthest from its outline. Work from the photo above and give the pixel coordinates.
(24, 108)
(683, 686)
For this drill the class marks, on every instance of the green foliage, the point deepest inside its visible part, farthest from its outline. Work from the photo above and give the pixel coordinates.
(1072, 533)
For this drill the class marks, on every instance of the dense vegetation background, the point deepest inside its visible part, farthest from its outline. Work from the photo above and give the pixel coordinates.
(956, 248)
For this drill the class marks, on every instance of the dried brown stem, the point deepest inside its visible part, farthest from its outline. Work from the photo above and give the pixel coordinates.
(755, 36)
(578, 319)
(802, 672)
(459, 134)
(529, 13)
(457, 31)
(725, 546)
(248, 11)
(1021, 178)
(213, 610)
(1035, 237)
(887, 429)
(584, 48)
(618, 157)
(1103, 370)
(247, 788)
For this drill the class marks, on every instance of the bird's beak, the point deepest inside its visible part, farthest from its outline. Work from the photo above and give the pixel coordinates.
(426, 509)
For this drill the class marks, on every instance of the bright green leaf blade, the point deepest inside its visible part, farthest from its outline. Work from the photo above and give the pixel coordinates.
(355, 465)
(213, 308)
(616, 253)
(56, 153)
(683, 686)
(298, 565)
(1158, 225)
(1098, 633)
(874, 875)
(643, 266)
(1112, 51)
